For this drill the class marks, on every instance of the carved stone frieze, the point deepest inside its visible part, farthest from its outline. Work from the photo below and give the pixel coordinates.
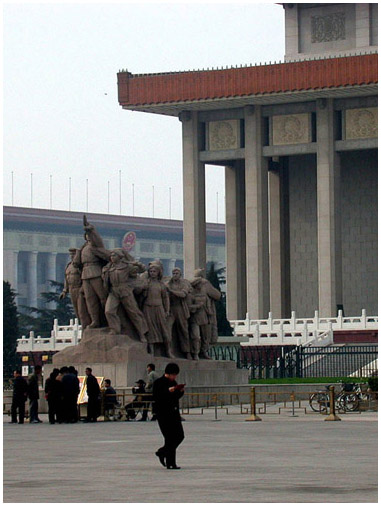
(361, 123)
(223, 135)
(327, 28)
(291, 129)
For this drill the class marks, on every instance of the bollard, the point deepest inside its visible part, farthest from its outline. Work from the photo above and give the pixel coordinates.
(215, 397)
(332, 417)
(292, 398)
(253, 417)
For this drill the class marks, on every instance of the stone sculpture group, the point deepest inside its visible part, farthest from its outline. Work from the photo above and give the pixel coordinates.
(109, 288)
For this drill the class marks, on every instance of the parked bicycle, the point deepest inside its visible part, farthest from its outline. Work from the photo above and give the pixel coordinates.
(346, 400)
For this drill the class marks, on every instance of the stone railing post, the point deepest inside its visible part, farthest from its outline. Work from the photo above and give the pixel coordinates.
(330, 333)
(316, 319)
(305, 332)
(340, 319)
(293, 320)
(257, 332)
(363, 317)
(53, 339)
(75, 333)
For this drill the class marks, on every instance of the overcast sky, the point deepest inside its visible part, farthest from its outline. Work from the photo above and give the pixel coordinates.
(62, 120)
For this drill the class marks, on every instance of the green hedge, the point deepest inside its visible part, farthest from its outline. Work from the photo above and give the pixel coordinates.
(373, 383)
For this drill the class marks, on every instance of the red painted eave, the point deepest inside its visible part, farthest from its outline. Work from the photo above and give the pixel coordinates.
(138, 90)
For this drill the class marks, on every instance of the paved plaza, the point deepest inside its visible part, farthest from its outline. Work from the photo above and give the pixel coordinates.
(279, 459)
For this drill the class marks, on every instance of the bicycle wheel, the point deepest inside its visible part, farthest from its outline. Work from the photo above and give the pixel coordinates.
(350, 402)
(319, 402)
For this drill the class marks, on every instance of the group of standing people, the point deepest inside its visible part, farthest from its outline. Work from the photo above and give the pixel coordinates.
(110, 288)
(61, 392)
(22, 391)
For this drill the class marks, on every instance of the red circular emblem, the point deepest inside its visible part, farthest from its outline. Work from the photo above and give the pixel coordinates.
(129, 241)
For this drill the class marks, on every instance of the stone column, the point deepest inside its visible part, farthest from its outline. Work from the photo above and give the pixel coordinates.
(194, 227)
(328, 212)
(235, 242)
(275, 245)
(51, 274)
(362, 25)
(291, 30)
(257, 238)
(32, 278)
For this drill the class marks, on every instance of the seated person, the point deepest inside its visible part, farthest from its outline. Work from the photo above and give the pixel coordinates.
(138, 402)
(110, 398)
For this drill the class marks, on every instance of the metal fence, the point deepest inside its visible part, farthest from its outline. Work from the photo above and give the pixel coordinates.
(265, 362)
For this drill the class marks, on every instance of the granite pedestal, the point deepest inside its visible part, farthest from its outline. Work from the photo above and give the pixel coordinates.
(123, 360)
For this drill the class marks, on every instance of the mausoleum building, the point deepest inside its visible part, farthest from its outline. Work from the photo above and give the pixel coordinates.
(298, 140)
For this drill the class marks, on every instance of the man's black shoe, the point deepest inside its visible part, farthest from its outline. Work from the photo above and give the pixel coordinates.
(161, 458)
(173, 467)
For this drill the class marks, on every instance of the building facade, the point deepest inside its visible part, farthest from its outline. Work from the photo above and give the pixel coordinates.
(36, 243)
(298, 141)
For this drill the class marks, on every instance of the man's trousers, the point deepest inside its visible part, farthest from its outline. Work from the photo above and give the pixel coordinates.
(173, 433)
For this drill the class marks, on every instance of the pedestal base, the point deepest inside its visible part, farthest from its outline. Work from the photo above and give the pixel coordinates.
(124, 360)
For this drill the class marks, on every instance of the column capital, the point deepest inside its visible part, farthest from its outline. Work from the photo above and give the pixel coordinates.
(185, 116)
(250, 109)
(321, 103)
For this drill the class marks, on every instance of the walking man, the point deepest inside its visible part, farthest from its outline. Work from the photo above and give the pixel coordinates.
(166, 394)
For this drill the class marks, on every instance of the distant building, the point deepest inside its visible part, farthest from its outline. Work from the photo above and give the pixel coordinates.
(36, 243)
(298, 141)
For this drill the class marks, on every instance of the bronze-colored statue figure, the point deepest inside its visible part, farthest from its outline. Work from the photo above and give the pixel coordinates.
(73, 285)
(116, 275)
(90, 259)
(156, 309)
(199, 320)
(179, 290)
(213, 295)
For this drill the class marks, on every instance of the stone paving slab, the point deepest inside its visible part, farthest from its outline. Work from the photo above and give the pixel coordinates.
(280, 459)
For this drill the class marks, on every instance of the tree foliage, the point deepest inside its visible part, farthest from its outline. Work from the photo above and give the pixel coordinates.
(10, 330)
(217, 278)
(41, 320)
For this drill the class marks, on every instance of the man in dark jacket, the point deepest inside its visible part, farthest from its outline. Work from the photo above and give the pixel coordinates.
(70, 391)
(33, 394)
(53, 394)
(110, 400)
(20, 388)
(93, 392)
(166, 394)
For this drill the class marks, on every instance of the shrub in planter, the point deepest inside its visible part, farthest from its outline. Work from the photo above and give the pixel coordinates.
(373, 383)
